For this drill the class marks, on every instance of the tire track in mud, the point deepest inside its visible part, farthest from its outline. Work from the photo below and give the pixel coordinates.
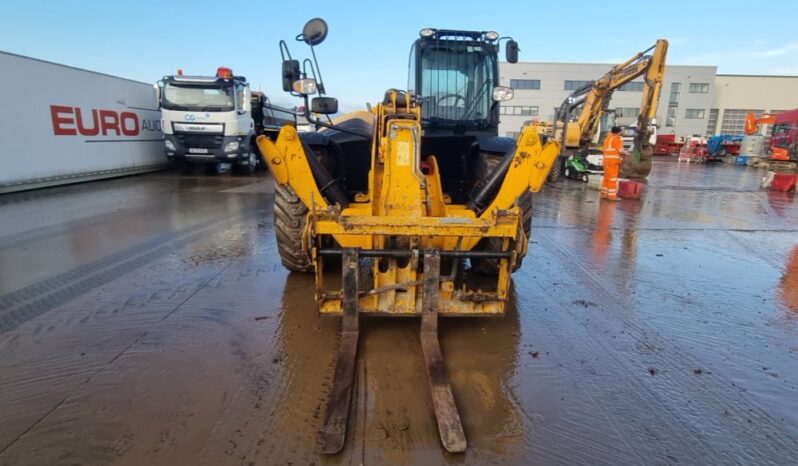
(702, 428)
(37, 234)
(97, 379)
(20, 306)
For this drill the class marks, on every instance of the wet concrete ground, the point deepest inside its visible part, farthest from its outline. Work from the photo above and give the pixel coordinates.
(148, 320)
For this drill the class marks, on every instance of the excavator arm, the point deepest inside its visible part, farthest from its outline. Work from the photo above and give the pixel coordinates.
(752, 122)
(595, 97)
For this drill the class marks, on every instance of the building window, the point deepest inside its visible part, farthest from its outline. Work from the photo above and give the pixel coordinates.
(712, 124)
(525, 83)
(627, 112)
(694, 113)
(674, 96)
(574, 85)
(699, 88)
(772, 127)
(733, 121)
(670, 121)
(633, 87)
(518, 110)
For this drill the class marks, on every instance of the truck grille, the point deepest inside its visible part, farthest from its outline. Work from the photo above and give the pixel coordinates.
(203, 141)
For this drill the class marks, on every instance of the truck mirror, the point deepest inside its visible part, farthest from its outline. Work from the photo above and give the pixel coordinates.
(315, 31)
(290, 74)
(324, 105)
(156, 91)
(511, 51)
(247, 104)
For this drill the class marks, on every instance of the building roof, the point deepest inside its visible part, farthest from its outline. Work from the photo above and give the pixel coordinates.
(757, 75)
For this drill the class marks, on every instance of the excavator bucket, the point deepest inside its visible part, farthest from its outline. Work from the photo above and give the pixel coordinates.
(638, 163)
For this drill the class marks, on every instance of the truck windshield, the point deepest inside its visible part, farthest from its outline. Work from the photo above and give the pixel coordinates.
(456, 82)
(204, 97)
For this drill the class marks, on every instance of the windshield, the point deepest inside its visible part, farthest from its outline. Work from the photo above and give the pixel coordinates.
(456, 82)
(203, 97)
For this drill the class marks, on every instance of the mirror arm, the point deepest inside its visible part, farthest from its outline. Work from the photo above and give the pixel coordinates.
(284, 52)
(317, 69)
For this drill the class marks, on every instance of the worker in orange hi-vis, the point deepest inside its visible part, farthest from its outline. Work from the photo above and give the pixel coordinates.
(613, 150)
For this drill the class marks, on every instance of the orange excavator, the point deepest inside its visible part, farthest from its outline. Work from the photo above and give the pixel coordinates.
(779, 150)
(752, 122)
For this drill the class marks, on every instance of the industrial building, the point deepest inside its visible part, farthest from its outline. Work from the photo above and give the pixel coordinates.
(695, 100)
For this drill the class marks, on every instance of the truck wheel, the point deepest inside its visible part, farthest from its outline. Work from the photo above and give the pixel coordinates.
(567, 172)
(290, 219)
(491, 266)
(213, 168)
(185, 167)
(249, 168)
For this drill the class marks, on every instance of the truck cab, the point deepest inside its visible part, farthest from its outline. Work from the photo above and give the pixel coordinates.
(207, 120)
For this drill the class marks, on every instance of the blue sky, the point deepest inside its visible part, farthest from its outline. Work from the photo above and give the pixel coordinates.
(367, 48)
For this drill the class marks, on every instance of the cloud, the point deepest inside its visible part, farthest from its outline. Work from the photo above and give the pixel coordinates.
(779, 51)
(785, 70)
(751, 60)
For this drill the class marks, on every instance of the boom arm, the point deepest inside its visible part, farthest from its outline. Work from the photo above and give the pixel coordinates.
(596, 96)
(752, 122)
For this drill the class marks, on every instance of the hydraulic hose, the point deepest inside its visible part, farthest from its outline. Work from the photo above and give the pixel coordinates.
(328, 186)
(484, 192)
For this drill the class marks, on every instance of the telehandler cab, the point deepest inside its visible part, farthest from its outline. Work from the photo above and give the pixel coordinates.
(404, 196)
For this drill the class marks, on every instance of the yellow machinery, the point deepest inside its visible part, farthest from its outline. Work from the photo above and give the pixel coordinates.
(390, 211)
(594, 97)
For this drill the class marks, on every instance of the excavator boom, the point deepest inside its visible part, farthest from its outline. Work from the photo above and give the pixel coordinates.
(594, 98)
(752, 122)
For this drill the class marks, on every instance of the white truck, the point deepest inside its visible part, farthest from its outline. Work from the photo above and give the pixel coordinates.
(213, 120)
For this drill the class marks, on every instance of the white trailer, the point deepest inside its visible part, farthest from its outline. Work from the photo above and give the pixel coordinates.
(61, 124)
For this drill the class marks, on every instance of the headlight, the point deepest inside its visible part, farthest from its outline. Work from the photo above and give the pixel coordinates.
(491, 35)
(231, 146)
(501, 93)
(427, 32)
(305, 86)
(169, 145)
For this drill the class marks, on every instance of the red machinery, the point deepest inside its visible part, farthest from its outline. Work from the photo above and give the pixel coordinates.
(667, 144)
(783, 145)
(694, 150)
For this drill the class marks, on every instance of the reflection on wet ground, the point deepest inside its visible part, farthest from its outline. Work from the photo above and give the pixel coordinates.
(148, 320)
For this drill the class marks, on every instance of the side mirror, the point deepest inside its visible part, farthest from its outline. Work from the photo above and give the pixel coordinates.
(324, 105)
(315, 31)
(156, 91)
(511, 51)
(247, 104)
(291, 73)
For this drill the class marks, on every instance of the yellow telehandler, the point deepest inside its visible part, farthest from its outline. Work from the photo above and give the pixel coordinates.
(424, 207)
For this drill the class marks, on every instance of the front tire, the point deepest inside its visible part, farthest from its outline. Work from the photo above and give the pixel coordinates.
(556, 171)
(290, 220)
(249, 167)
(213, 168)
